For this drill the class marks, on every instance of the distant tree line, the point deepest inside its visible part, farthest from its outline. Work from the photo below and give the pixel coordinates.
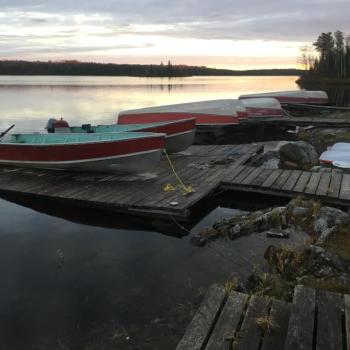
(137, 70)
(333, 57)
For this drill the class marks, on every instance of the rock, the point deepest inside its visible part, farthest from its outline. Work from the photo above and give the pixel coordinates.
(328, 217)
(300, 211)
(316, 168)
(328, 232)
(301, 153)
(314, 249)
(325, 170)
(320, 260)
(326, 271)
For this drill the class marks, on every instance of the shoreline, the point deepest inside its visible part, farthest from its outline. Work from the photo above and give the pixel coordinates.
(323, 81)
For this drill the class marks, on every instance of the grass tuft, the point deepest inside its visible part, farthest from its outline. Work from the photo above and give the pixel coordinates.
(266, 323)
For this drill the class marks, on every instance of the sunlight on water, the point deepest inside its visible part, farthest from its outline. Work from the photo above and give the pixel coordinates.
(85, 279)
(29, 101)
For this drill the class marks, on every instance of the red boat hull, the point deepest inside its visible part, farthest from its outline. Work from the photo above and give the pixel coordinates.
(200, 119)
(171, 128)
(76, 152)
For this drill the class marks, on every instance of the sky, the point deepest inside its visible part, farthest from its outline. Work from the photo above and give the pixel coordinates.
(239, 34)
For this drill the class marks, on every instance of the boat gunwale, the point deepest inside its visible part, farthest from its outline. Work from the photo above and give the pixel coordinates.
(72, 143)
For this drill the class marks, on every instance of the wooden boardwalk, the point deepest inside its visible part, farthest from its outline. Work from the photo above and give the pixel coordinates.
(332, 187)
(202, 167)
(206, 168)
(315, 320)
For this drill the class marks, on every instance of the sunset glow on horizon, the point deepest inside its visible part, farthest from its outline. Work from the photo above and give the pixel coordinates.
(220, 35)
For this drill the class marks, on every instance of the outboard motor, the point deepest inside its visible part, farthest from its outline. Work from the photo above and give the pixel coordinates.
(61, 127)
(49, 125)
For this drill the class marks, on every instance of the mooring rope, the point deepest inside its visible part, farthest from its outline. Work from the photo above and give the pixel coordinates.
(167, 188)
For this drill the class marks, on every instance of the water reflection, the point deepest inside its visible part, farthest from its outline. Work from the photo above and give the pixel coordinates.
(30, 101)
(99, 218)
(122, 285)
(117, 289)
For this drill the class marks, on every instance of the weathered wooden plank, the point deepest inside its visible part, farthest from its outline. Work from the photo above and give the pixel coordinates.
(197, 333)
(302, 181)
(232, 172)
(202, 188)
(250, 335)
(252, 176)
(281, 180)
(329, 321)
(334, 186)
(276, 337)
(243, 174)
(292, 180)
(312, 186)
(272, 178)
(345, 187)
(259, 180)
(301, 322)
(323, 186)
(347, 319)
(227, 324)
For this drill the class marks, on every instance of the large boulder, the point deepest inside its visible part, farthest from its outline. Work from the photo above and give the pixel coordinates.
(300, 154)
(329, 217)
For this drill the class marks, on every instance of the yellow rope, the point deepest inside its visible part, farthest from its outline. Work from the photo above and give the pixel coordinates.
(187, 189)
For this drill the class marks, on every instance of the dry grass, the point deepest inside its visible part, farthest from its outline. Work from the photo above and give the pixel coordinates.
(230, 285)
(266, 323)
(340, 243)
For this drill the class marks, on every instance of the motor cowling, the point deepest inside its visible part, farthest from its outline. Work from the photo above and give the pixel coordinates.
(50, 125)
(61, 126)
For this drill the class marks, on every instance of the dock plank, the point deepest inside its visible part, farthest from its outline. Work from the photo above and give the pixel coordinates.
(259, 180)
(281, 180)
(252, 176)
(312, 186)
(301, 323)
(292, 180)
(232, 172)
(302, 182)
(345, 187)
(197, 333)
(272, 178)
(323, 186)
(250, 335)
(334, 186)
(228, 322)
(347, 319)
(329, 321)
(276, 338)
(243, 175)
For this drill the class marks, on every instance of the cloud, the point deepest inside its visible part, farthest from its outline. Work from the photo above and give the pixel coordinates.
(226, 19)
(140, 24)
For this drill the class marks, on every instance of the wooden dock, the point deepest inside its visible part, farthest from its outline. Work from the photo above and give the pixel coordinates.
(206, 169)
(200, 167)
(331, 188)
(315, 320)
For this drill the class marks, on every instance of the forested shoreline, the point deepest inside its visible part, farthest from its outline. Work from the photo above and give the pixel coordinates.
(331, 65)
(137, 70)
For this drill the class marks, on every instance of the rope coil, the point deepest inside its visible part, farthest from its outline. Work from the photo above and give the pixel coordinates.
(168, 188)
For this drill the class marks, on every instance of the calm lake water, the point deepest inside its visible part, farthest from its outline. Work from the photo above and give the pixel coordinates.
(117, 288)
(30, 101)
